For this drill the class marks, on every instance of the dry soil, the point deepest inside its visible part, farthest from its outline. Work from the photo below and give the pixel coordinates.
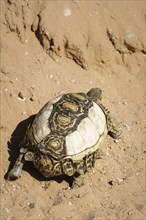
(52, 47)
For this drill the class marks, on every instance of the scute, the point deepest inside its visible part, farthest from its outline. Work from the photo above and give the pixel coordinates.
(88, 132)
(74, 143)
(97, 117)
(40, 124)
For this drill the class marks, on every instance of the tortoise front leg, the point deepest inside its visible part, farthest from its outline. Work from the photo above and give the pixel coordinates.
(114, 127)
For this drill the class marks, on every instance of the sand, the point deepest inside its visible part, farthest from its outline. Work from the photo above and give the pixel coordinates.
(52, 47)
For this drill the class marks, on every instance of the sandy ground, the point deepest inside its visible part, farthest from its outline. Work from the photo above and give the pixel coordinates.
(52, 47)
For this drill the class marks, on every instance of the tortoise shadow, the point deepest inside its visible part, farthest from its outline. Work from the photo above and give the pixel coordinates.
(16, 137)
(13, 150)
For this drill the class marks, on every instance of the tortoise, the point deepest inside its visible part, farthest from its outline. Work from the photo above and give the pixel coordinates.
(65, 136)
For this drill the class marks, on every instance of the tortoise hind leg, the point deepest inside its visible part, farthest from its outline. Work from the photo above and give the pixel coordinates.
(81, 167)
(22, 158)
(77, 180)
(17, 169)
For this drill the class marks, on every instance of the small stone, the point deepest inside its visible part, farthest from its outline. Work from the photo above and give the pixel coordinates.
(119, 180)
(31, 99)
(107, 153)
(51, 76)
(124, 103)
(23, 113)
(110, 183)
(32, 87)
(116, 140)
(70, 203)
(20, 95)
(130, 213)
(67, 12)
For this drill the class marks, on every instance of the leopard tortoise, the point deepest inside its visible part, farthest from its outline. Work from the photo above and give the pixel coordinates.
(65, 136)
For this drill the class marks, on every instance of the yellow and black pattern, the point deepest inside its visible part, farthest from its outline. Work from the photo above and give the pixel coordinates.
(68, 112)
(53, 145)
(50, 167)
(66, 115)
(68, 167)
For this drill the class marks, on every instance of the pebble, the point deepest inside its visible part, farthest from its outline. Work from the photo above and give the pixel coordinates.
(124, 103)
(31, 99)
(51, 76)
(26, 41)
(67, 12)
(23, 113)
(119, 180)
(116, 181)
(107, 154)
(70, 203)
(130, 213)
(20, 95)
(116, 140)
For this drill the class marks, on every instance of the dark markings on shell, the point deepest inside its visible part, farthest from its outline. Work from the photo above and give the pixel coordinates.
(68, 167)
(50, 167)
(68, 112)
(66, 115)
(53, 145)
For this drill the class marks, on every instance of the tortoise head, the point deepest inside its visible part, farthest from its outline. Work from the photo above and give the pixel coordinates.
(95, 94)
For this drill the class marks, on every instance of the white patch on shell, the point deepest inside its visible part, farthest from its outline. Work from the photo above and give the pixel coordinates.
(40, 124)
(88, 132)
(97, 117)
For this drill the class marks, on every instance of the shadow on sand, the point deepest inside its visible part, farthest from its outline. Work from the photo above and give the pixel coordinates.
(13, 150)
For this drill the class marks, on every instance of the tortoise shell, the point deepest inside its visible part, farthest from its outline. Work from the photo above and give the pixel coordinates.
(66, 134)
(66, 131)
